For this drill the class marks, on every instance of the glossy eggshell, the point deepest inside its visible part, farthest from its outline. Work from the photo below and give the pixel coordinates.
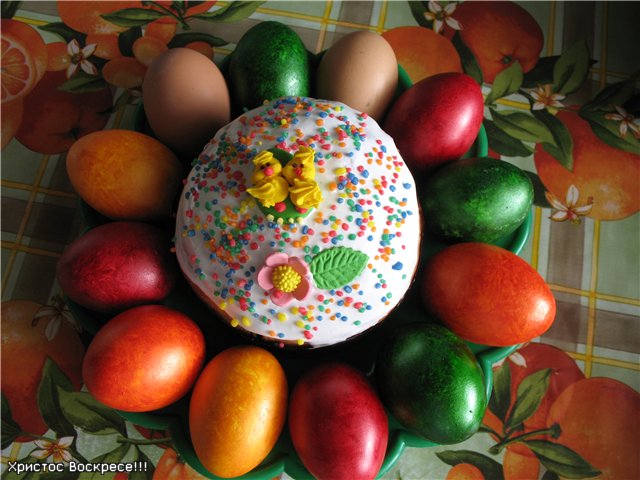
(476, 199)
(125, 175)
(270, 61)
(118, 265)
(144, 358)
(186, 100)
(487, 295)
(361, 71)
(431, 382)
(237, 410)
(436, 120)
(337, 423)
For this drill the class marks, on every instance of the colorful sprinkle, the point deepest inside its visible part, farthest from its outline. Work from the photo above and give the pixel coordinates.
(370, 205)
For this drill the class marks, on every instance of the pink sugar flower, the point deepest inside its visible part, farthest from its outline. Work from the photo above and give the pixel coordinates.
(285, 278)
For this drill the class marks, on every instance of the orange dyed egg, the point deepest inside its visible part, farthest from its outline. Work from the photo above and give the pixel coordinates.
(487, 295)
(144, 358)
(237, 410)
(124, 175)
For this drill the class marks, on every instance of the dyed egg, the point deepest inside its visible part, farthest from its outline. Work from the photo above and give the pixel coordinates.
(361, 71)
(337, 423)
(118, 265)
(431, 382)
(270, 61)
(186, 100)
(237, 410)
(124, 175)
(436, 120)
(476, 199)
(144, 358)
(487, 295)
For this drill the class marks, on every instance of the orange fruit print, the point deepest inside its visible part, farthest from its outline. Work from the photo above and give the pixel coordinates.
(32, 41)
(519, 467)
(464, 471)
(86, 16)
(18, 69)
(53, 119)
(422, 52)
(498, 34)
(172, 467)
(25, 347)
(107, 45)
(527, 361)
(57, 57)
(598, 418)
(603, 175)
(161, 30)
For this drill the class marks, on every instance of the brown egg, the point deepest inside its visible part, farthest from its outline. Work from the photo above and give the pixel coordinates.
(186, 100)
(360, 70)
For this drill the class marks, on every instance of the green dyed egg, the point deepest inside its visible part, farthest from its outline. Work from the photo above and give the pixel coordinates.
(476, 200)
(270, 61)
(431, 382)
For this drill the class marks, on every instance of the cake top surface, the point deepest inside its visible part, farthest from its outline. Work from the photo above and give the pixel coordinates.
(300, 222)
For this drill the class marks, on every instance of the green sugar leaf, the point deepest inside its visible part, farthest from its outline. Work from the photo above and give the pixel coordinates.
(336, 267)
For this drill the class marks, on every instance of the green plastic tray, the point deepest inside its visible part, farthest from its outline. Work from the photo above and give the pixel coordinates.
(359, 352)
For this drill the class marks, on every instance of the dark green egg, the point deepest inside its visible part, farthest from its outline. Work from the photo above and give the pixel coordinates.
(431, 382)
(270, 61)
(476, 199)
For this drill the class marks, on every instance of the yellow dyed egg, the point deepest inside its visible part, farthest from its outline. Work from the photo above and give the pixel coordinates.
(237, 410)
(361, 71)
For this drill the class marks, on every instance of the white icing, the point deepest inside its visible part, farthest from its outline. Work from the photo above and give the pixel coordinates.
(369, 205)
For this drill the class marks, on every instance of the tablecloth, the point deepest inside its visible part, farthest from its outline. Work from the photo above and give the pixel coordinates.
(585, 239)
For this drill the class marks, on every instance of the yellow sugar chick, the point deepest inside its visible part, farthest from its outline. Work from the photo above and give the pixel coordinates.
(305, 194)
(301, 166)
(269, 186)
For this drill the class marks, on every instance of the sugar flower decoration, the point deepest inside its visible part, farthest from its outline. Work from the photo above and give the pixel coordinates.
(285, 278)
(439, 16)
(569, 210)
(78, 58)
(627, 122)
(57, 450)
(544, 97)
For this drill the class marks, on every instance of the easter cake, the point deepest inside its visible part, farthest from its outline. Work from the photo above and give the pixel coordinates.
(299, 223)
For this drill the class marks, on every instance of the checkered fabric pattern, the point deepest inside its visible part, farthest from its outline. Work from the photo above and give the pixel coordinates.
(593, 268)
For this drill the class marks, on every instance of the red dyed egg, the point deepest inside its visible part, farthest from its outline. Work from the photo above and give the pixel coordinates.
(144, 358)
(487, 295)
(436, 120)
(337, 423)
(118, 265)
